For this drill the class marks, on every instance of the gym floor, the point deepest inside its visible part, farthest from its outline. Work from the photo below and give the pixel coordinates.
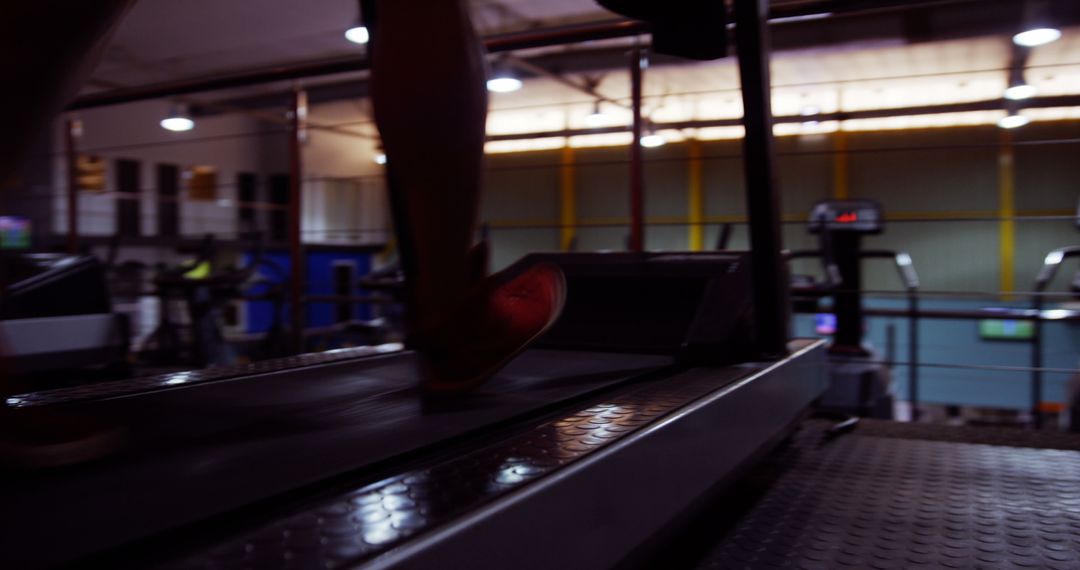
(887, 495)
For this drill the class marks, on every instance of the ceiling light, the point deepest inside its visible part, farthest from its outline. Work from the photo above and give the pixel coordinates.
(1021, 91)
(1036, 37)
(358, 34)
(652, 140)
(503, 84)
(810, 111)
(178, 119)
(380, 158)
(597, 118)
(1013, 121)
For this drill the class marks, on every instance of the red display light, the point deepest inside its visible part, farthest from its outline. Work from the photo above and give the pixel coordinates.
(847, 218)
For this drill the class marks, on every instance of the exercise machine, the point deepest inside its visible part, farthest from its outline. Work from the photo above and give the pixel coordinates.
(649, 387)
(205, 289)
(1051, 264)
(860, 383)
(56, 317)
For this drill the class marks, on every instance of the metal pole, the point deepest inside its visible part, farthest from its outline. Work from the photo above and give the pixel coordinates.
(913, 354)
(296, 250)
(771, 303)
(637, 198)
(1037, 363)
(71, 154)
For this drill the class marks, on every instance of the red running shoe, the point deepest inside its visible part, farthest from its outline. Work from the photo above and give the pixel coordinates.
(496, 322)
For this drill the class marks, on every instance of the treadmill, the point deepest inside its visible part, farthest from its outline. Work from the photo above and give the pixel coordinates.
(649, 394)
(56, 317)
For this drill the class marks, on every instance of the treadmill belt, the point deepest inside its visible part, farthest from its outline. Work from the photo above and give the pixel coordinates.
(206, 449)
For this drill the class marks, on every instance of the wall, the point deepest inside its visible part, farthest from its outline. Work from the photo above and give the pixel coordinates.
(231, 143)
(932, 174)
(935, 174)
(344, 194)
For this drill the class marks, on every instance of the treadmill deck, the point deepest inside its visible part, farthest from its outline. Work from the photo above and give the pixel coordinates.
(343, 464)
(201, 450)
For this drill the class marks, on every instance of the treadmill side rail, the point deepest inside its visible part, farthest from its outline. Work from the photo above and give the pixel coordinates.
(591, 513)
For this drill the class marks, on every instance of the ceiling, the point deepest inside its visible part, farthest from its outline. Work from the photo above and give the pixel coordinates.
(948, 53)
(164, 40)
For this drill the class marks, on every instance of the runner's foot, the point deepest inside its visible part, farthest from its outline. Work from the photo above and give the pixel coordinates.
(496, 322)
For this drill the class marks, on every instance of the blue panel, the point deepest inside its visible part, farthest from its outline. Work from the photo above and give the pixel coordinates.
(320, 281)
(319, 277)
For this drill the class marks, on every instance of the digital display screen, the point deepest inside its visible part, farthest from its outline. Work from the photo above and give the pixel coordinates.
(825, 323)
(14, 232)
(1006, 329)
(857, 216)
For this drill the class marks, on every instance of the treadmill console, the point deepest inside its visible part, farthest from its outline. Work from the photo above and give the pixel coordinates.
(696, 307)
(854, 216)
(35, 285)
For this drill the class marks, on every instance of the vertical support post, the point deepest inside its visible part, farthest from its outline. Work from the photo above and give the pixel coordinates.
(637, 176)
(771, 302)
(1006, 213)
(840, 166)
(697, 198)
(568, 199)
(296, 249)
(913, 354)
(1037, 361)
(71, 156)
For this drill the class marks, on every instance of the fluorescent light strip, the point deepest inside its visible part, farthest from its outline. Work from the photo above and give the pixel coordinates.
(803, 18)
(937, 121)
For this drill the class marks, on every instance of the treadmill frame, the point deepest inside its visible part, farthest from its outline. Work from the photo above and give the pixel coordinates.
(566, 480)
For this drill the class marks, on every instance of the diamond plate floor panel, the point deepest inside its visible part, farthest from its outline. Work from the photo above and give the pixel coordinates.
(884, 497)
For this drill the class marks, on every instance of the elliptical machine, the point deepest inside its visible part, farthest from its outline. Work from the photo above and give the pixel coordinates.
(860, 384)
(205, 290)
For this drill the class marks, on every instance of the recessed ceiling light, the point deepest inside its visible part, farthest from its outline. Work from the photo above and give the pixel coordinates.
(503, 84)
(380, 158)
(1037, 37)
(653, 140)
(358, 34)
(1013, 121)
(177, 124)
(597, 118)
(178, 119)
(1022, 91)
